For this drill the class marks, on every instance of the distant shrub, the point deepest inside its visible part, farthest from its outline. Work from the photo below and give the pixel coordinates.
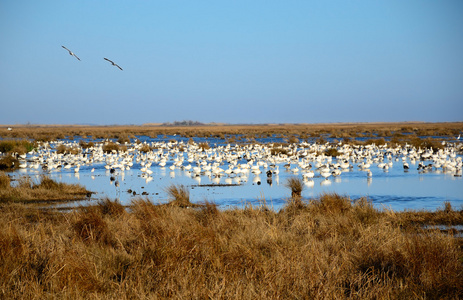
(276, 151)
(109, 147)
(145, 148)
(332, 152)
(123, 140)
(204, 146)
(62, 149)
(18, 146)
(293, 140)
(231, 140)
(85, 145)
(321, 140)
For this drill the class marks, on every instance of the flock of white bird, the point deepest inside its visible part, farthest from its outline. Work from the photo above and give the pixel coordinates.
(238, 161)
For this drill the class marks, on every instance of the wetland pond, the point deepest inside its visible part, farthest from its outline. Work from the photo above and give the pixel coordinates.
(236, 175)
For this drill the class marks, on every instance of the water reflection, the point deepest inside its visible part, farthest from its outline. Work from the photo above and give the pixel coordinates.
(325, 182)
(309, 183)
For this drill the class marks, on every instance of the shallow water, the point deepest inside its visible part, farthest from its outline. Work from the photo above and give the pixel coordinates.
(396, 189)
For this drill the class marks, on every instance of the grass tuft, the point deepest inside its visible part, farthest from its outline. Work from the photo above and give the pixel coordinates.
(179, 195)
(296, 185)
(111, 207)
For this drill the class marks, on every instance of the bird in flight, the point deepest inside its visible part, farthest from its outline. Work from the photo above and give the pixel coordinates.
(71, 53)
(113, 63)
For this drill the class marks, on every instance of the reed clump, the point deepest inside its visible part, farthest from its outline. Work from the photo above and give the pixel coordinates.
(204, 146)
(332, 152)
(296, 186)
(85, 145)
(145, 148)
(113, 147)
(326, 248)
(179, 195)
(62, 149)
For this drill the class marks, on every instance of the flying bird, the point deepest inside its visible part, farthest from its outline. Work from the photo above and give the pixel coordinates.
(113, 63)
(71, 53)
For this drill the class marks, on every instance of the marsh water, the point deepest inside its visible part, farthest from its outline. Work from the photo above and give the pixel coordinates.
(394, 188)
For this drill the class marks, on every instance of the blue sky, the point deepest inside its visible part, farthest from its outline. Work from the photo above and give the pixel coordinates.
(230, 61)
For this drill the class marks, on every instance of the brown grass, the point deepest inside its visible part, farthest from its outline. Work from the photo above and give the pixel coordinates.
(179, 195)
(296, 186)
(8, 163)
(329, 248)
(110, 147)
(44, 190)
(62, 149)
(16, 146)
(336, 130)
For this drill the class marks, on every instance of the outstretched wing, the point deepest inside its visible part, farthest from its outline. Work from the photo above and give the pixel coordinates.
(66, 49)
(71, 53)
(113, 63)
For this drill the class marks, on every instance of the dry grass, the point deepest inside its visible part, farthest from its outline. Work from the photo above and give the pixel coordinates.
(62, 149)
(46, 189)
(335, 130)
(111, 147)
(179, 195)
(8, 163)
(329, 248)
(296, 186)
(16, 146)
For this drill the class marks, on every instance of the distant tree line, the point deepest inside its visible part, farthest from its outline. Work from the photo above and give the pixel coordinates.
(183, 123)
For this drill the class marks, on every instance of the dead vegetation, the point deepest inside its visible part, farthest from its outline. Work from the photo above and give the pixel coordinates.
(8, 163)
(327, 248)
(296, 186)
(293, 132)
(20, 146)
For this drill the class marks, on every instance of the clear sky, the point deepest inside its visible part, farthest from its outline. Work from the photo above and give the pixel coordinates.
(230, 61)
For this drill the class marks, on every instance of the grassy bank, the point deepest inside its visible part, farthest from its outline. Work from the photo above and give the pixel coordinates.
(321, 249)
(44, 190)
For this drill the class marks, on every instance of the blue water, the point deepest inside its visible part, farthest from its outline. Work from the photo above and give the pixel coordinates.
(394, 189)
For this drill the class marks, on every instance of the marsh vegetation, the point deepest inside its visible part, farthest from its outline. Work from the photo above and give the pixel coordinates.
(330, 247)
(326, 247)
(403, 132)
(44, 190)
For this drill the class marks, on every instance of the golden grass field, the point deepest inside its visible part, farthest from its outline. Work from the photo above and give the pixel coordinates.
(326, 248)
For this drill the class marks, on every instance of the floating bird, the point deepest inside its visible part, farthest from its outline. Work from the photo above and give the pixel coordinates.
(113, 63)
(71, 53)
